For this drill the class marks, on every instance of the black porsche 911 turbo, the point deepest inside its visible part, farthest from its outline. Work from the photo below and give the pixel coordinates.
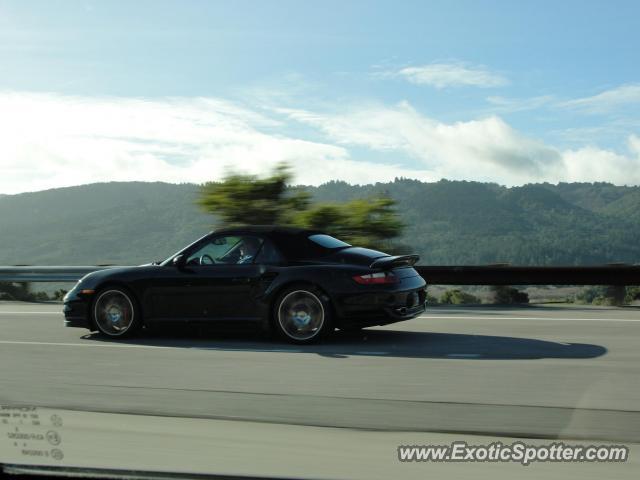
(299, 283)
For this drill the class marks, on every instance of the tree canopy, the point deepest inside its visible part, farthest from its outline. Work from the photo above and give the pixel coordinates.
(241, 199)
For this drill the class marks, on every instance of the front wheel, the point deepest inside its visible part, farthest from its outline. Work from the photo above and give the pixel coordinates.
(115, 313)
(303, 315)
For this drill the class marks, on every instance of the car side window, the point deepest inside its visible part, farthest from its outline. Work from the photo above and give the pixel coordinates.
(268, 254)
(226, 250)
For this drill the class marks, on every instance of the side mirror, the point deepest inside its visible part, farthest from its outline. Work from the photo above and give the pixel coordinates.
(178, 261)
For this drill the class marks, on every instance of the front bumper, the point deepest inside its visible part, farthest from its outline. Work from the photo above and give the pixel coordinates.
(76, 309)
(75, 314)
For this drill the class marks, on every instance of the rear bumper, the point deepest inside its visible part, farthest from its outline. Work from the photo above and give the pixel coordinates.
(384, 316)
(383, 306)
(406, 313)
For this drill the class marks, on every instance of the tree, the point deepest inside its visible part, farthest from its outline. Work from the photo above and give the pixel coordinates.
(16, 291)
(504, 295)
(458, 297)
(249, 200)
(59, 294)
(610, 295)
(632, 294)
(369, 222)
(589, 294)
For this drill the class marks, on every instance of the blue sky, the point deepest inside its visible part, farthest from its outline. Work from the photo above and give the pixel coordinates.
(504, 91)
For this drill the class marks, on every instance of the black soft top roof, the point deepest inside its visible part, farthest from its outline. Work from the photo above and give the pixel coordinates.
(293, 242)
(266, 229)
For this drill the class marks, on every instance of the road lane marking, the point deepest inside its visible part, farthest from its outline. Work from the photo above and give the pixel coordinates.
(30, 313)
(128, 345)
(240, 349)
(552, 319)
(62, 344)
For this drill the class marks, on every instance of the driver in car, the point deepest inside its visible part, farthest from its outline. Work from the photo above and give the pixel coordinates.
(248, 249)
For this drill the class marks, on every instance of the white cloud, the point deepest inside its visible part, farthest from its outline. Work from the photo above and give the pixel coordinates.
(509, 105)
(608, 100)
(50, 140)
(486, 149)
(592, 164)
(442, 75)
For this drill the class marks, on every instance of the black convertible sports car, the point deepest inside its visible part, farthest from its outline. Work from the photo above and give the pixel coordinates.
(303, 284)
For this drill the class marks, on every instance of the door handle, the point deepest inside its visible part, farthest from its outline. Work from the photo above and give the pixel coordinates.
(240, 280)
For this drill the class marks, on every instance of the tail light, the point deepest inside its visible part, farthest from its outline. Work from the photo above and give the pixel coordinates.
(376, 278)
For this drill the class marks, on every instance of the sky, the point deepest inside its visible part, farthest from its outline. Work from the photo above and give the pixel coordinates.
(511, 92)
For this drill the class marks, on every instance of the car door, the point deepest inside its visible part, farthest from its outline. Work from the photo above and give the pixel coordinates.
(214, 283)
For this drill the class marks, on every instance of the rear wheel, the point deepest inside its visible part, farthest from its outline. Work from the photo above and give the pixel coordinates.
(303, 315)
(115, 313)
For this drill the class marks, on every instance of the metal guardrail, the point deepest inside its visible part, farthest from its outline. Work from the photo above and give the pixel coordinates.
(435, 275)
(46, 274)
(523, 275)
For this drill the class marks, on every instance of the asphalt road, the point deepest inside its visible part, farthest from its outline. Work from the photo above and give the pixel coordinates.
(549, 372)
(168, 444)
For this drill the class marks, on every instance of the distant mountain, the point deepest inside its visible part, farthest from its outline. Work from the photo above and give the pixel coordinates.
(448, 222)
(540, 224)
(122, 223)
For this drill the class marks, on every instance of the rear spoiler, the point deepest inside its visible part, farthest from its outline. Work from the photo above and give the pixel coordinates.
(387, 263)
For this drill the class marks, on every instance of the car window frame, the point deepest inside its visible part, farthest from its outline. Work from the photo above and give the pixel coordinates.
(208, 239)
(282, 259)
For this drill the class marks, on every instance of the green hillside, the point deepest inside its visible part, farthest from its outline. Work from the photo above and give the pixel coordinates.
(121, 223)
(447, 222)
